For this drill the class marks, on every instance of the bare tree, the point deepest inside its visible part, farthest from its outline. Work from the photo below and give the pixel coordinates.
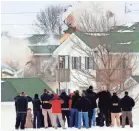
(109, 70)
(48, 20)
(96, 21)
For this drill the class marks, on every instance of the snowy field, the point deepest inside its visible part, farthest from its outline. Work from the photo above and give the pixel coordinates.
(8, 120)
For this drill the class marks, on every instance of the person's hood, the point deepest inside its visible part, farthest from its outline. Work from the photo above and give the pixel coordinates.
(56, 96)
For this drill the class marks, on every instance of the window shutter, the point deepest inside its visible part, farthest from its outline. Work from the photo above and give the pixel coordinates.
(72, 63)
(85, 63)
(91, 61)
(80, 63)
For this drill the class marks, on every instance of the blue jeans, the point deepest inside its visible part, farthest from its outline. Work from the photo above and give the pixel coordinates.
(83, 116)
(37, 116)
(94, 117)
(74, 112)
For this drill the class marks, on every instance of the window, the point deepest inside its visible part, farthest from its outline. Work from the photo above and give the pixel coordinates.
(64, 62)
(89, 63)
(124, 63)
(76, 62)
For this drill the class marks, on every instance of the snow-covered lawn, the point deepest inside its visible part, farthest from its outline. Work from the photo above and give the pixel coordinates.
(8, 120)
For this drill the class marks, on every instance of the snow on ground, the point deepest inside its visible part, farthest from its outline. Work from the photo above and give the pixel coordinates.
(8, 120)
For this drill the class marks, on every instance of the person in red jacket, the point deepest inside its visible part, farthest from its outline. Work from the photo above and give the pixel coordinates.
(57, 111)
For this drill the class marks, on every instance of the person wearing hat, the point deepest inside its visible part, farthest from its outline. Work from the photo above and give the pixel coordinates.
(57, 111)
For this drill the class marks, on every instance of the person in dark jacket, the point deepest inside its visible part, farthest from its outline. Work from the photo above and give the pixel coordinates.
(83, 105)
(115, 110)
(104, 107)
(46, 107)
(36, 111)
(92, 96)
(15, 98)
(21, 108)
(127, 103)
(74, 111)
(65, 107)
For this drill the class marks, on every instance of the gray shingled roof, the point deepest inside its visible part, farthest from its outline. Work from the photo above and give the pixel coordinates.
(136, 78)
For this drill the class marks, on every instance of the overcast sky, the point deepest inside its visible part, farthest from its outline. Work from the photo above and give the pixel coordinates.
(15, 7)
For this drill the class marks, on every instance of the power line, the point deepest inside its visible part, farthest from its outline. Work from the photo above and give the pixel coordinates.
(12, 13)
(20, 24)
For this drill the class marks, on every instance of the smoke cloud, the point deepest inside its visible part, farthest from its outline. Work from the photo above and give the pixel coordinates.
(15, 50)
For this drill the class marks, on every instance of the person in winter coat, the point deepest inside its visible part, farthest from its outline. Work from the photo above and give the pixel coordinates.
(115, 110)
(127, 103)
(65, 107)
(46, 107)
(70, 101)
(57, 111)
(83, 105)
(29, 122)
(36, 111)
(74, 111)
(104, 107)
(15, 98)
(21, 108)
(92, 96)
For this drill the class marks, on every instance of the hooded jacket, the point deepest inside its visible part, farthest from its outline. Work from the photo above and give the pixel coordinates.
(56, 104)
(65, 98)
(36, 104)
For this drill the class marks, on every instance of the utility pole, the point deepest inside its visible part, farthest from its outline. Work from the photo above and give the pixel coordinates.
(129, 6)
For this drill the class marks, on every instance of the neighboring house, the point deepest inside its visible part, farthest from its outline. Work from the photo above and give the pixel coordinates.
(6, 71)
(42, 54)
(129, 27)
(10, 87)
(72, 55)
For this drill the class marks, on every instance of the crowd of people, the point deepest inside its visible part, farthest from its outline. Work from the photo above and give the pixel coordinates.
(73, 110)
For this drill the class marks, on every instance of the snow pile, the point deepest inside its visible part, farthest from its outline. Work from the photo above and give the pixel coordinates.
(129, 24)
(127, 43)
(125, 31)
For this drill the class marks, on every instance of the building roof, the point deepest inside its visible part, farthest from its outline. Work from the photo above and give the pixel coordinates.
(136, 78)
(6, 66)
(43, 49)
(29, 85)
(116, 41)
(41, 38)
(8, 92)
(129, 27)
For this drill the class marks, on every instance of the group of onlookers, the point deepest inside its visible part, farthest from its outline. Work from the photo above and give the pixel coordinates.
(54, 110)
